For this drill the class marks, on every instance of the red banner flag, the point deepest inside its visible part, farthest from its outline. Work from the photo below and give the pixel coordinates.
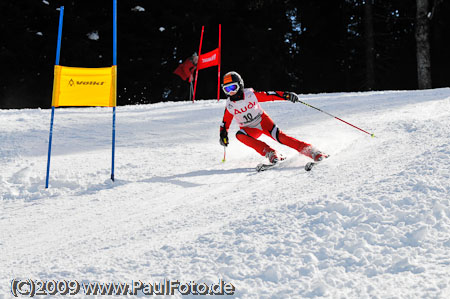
(208, 59)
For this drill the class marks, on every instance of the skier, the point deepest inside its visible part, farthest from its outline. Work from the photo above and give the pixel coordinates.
(182, 74)
(243, 105)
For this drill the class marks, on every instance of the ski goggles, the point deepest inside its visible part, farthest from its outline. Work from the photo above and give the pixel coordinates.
(230, 88)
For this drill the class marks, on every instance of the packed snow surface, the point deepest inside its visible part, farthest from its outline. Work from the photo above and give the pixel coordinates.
(372, 221)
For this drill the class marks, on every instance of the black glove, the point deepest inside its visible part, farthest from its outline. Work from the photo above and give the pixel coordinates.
(224, 137)
(290, 96)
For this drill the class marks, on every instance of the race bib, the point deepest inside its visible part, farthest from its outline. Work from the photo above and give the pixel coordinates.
(246, 112)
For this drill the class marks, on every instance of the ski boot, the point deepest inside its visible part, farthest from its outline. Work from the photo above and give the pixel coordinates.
(274, 158)
(318, 156)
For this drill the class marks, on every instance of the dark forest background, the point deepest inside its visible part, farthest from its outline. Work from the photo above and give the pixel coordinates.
(302, 46)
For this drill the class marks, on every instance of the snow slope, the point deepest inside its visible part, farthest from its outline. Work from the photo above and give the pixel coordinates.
(373, 221)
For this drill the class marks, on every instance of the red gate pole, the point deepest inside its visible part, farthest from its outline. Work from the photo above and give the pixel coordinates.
(199, 53)
(220, 59)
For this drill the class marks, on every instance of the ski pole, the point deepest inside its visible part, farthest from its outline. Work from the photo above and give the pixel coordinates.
(224, 154)
(371, 134)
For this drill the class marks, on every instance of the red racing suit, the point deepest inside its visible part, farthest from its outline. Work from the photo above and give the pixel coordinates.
(253, 122)
(186, 70)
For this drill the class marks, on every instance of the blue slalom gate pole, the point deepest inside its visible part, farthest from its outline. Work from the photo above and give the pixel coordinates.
(49, 147)
(58, 47)
(58, 51)
(113, 142)
(115, 32)
(114, 108)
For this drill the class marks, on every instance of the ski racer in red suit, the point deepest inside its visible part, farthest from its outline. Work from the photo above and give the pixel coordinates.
(243, 105)
(186, 70)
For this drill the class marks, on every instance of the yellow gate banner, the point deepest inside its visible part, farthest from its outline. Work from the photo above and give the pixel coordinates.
(75, 86)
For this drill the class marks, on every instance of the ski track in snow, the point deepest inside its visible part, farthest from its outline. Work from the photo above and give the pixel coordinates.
(372, 221)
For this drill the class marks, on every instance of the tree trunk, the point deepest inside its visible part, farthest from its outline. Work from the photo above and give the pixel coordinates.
(423, 45)
(370, 45)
